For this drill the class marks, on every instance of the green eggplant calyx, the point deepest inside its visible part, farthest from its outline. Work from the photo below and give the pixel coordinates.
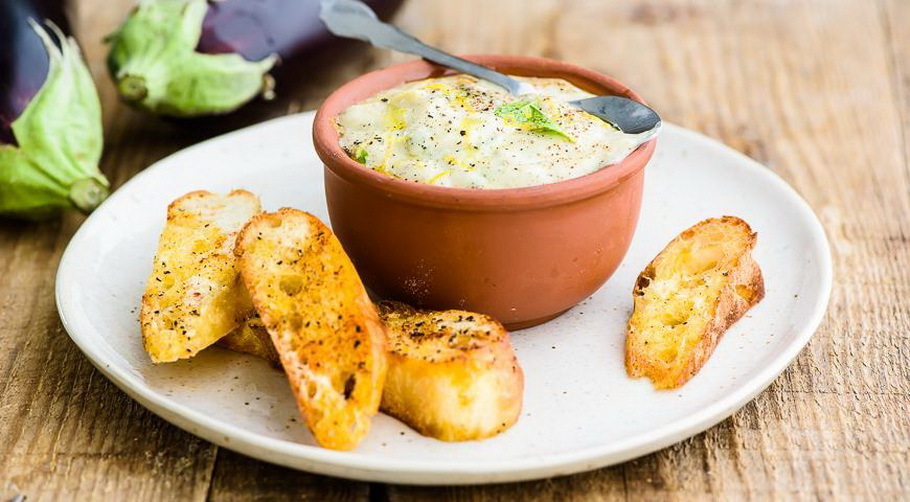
(87, 194)
(59, 137)
(155, 66)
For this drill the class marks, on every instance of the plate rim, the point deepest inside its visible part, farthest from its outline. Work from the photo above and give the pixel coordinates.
(358, 466)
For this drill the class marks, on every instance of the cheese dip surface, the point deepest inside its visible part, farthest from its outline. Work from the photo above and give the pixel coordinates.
(459, 131)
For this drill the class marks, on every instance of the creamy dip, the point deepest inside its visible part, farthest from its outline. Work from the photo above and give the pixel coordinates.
(459, 131)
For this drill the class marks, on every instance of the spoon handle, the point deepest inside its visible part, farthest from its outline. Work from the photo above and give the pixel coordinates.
(354, 19)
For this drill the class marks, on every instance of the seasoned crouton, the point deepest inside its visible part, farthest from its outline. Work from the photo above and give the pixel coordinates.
(452, 375)
(251, 337)
(194, 295)
(688, 296)
(321, 321)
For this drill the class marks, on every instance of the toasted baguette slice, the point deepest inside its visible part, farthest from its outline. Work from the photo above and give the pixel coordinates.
(251, 337)
(194, 295)
(321, 321)
(425, 393)
(452, 374)
(687, 297)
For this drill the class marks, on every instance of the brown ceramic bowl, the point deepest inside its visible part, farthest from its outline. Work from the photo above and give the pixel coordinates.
(522, 255)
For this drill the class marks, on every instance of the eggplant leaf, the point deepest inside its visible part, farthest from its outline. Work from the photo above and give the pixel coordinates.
(155, 65)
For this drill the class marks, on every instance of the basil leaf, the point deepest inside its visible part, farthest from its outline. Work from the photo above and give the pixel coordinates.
(528, 115)
(360, 154)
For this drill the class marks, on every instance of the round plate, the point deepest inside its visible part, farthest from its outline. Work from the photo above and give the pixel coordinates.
(580, 412)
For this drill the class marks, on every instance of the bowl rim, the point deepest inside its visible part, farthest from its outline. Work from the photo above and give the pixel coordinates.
(336, 160)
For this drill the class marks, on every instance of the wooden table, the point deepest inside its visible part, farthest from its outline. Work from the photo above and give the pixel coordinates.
(819, 91)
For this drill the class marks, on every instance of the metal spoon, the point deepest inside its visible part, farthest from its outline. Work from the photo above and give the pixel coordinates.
(354, 19)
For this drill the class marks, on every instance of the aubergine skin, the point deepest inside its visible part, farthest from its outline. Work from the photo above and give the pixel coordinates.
(190, 58)
(23, 58)
(257, 28)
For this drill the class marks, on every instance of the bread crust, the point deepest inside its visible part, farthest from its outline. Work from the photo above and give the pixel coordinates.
(322, 323)
(452, 375)
(734, 286)
(193, 296)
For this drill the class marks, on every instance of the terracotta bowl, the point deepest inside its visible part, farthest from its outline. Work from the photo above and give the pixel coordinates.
(522, 255)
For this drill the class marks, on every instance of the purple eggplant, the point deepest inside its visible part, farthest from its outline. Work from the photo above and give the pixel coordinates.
(187, 58)
(50, 116)
(24, 59)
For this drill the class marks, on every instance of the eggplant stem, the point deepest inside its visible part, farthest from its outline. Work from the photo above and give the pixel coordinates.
(87, 194)
(268, 87)
(133, 88)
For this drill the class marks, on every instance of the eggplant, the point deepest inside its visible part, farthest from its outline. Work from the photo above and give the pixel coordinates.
(50, 116)
(189, 58)
(24, 60)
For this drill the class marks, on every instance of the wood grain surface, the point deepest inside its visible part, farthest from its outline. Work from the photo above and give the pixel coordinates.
(818, 90)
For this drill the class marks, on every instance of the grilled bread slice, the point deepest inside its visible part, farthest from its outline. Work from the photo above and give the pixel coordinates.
(321, 321)
(687, 297)
(469, 388)
(251, 337)
(194, 296)
(452, 374)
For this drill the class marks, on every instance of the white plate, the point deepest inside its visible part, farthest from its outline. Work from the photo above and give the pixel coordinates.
(581, 411)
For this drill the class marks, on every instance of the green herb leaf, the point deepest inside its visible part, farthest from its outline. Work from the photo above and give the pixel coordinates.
(360, 154)
(528, 115)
